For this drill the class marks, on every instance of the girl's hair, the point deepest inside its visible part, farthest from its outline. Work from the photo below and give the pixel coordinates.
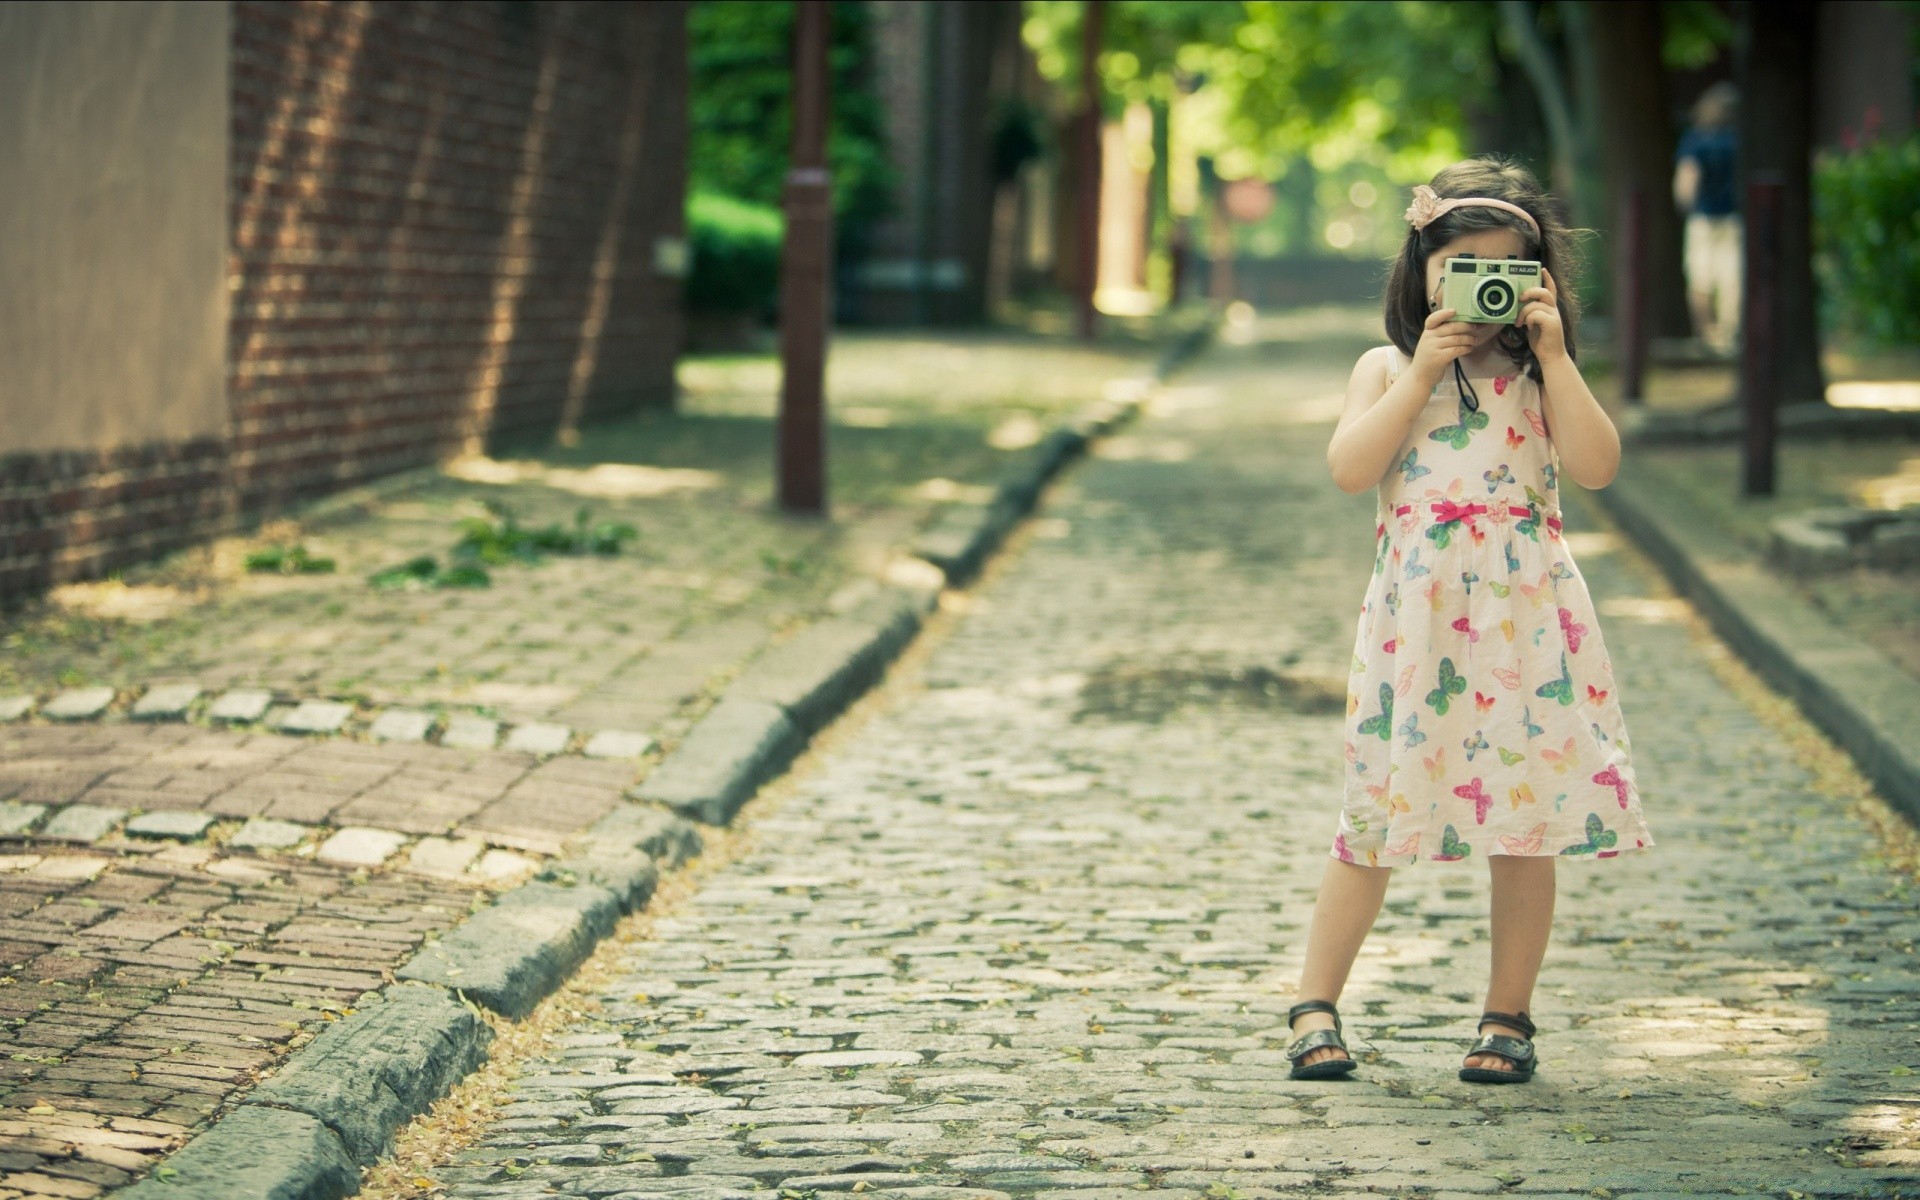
(1499, 179)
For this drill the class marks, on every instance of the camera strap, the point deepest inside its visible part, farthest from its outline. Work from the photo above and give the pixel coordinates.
(1468, 396)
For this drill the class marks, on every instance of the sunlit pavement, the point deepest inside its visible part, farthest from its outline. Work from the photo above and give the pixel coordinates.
(1033, 929)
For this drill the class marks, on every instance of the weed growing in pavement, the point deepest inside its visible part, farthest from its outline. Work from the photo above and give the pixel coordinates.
(287, 559)
(498, 539)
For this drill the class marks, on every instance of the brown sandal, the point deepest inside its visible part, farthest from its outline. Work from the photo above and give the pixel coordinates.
(1326, 1068)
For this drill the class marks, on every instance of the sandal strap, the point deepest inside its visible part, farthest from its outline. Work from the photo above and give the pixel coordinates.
(1315, 1040)
(1307, 1006)
(1518, 1051)
(1515, 1020)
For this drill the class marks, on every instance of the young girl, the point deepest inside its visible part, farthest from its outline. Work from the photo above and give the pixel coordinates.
(1483, 719)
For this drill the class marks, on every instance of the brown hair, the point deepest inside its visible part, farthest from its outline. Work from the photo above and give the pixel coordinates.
(1498, 179)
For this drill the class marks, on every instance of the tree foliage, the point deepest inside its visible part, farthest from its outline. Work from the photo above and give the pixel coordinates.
(740, 114)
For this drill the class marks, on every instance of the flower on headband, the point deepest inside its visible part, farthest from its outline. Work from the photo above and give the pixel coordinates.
(1425, 207)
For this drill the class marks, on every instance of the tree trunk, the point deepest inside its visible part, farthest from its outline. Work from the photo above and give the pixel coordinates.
(1637, 142)
(1571, 140)
(1775, 62)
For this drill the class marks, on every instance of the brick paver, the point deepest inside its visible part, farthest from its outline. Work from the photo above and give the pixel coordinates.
(1033, 930)
(146, 983)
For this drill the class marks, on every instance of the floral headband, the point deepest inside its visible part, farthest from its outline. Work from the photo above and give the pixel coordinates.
(1427, 207)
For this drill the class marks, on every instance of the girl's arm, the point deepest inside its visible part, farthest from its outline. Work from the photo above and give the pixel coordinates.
(1376, 417)
(1583, 435)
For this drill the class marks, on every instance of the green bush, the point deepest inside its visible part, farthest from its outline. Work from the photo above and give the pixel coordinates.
(1867, 230)
(736, 254)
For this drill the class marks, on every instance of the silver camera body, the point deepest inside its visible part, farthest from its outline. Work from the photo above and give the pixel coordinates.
(1486, 291)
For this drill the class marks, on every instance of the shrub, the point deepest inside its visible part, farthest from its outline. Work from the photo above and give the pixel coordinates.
(736, 254)
(1867, 232)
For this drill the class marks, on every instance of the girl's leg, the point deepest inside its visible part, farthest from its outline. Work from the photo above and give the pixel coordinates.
(1522, 912)
(1350, 898)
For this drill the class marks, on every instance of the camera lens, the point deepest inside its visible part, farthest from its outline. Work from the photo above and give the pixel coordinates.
(1494, 296)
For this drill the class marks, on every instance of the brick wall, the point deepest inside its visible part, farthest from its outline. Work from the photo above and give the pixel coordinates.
(442, 233)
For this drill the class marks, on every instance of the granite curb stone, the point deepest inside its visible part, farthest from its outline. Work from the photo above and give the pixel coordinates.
(167, 702)
(367, 1075)
(736, 747)
(1844, 686)
(12, 708)
(78, 704)
(510, 955)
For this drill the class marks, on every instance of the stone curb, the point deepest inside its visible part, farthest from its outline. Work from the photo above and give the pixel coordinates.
(340, 1100)
(1844, 686)
(1728, 423)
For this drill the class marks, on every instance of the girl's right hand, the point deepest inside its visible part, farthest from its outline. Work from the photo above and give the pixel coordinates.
(1442, 340)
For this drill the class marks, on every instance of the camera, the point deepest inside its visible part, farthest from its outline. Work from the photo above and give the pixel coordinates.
(1486, 291)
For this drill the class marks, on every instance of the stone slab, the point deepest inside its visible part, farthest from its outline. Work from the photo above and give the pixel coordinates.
(654, 831)
(316, 717)
(168, 702)
(512, 955)
(539, 738)
(728, 754)
(255, 1153)
(18, 818)
(12, 708)
(617, 743)
(179, 826)
(267, 833)
(444, 857)
(78, 704)
(499, 865)
(83, 822)
(357, 846)
(469, 732)
(402, 725)
(369, 1074)
(240, 706)
(816, 673)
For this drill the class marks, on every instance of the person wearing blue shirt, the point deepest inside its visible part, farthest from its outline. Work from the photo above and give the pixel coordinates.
(1706, 189)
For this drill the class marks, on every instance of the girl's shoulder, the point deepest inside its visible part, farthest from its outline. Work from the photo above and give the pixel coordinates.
(1385, 359)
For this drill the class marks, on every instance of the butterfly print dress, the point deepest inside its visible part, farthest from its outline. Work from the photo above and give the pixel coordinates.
(1482, 713)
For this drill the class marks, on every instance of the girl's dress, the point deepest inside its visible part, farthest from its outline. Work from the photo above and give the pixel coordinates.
(1482, 713)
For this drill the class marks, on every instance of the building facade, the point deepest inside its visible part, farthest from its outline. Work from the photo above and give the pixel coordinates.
(254, 253)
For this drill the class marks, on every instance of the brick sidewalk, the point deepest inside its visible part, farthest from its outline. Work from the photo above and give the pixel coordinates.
(186, 900)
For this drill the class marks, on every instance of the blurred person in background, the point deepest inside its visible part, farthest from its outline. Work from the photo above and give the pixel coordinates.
(1705, 186)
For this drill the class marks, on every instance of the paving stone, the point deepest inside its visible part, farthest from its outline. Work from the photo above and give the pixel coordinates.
(402, 725)
(445, 857)
(497, 865)
(316, 717)
(267, 833)
(82, 822)
(240, 706)
(358, 847)
(167, 702)
(177, 826)
(617, 743)
(18, 818)
(538, 738)
(470, 732)
(78, 704)
(12, 708)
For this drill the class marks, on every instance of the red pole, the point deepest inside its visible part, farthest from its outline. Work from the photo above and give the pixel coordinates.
(1759, 357)
(1631, 273)
(1087, 243)
(804, 257)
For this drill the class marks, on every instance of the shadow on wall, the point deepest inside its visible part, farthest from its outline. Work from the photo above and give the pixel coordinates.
(441, 233)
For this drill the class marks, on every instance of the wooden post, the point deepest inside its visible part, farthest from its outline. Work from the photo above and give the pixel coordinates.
(1759, 332)
(1087, 218)
(805, 256)
(1630, 292)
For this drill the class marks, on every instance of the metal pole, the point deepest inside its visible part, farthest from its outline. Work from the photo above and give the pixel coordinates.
(1631, 274)
(1759, 350)
(1093, 17)
(804, 258)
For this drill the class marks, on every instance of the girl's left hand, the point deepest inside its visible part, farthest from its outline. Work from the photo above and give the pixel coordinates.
(1540, 317)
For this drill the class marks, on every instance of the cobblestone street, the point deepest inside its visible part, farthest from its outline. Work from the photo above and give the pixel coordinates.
(1032, 929)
